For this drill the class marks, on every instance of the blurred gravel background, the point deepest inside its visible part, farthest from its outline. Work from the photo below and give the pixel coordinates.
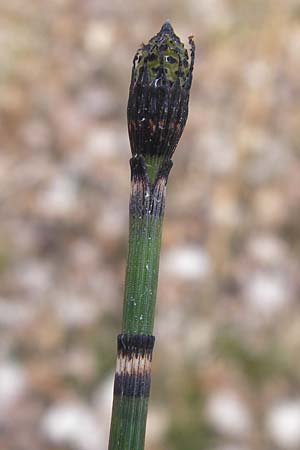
(226, 365)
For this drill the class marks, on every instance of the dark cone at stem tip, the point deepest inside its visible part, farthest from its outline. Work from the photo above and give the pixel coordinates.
(159, 95)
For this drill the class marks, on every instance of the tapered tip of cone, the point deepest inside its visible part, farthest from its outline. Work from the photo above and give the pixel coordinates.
(167, 27)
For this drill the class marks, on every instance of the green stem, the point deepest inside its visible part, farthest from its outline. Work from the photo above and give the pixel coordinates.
(128, 426)
(135, 344)
(142, 274)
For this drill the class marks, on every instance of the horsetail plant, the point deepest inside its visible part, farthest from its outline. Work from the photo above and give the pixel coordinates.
(157, 112)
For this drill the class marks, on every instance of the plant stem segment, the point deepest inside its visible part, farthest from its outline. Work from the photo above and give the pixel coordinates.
(146, 217)
(131, 392)
(135, 344)
(157, 113)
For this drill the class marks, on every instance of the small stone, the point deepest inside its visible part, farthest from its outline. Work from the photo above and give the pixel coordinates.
(60, 197)
(17, 314)
(34, 276)
(13, 385)
(214, 13)
(99, 37)
(266, 248)
(283, 424)
(186, 262)
(258, 74)
(228, 413)
(270, 207)
(266, 292)
(218, 153)
(103, 398)
(76, 311)
(157, 424)
(224, 206)
(97, 102)
(36, 135)
(112, 222)
(72, 423)
(102, 142)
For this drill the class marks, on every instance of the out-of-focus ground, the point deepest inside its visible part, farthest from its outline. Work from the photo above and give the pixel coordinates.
(226, 370)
